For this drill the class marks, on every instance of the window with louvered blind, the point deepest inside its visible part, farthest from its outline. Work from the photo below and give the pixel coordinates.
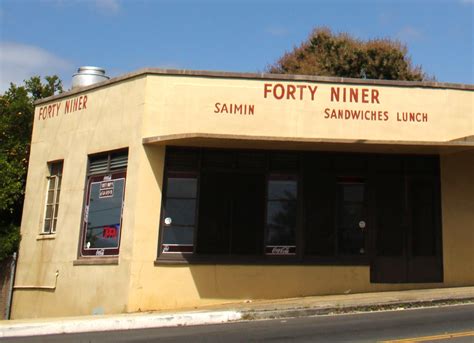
(105, 163)
(102, 220)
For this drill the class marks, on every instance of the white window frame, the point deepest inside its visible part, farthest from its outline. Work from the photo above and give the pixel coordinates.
(53, 220)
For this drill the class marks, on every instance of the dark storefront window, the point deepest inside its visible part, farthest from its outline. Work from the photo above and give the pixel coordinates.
(301, 207)
(102, 227)
(180, 213)
(281, 215)
(390, 205)
(230, 213)
(335, 200)
(350, 216)
(319, 208)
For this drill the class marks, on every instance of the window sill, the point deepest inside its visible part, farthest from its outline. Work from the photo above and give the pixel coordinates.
(45, 236)
(93, 261)
(179, 259)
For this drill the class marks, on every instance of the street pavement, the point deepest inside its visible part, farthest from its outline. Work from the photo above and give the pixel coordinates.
(245, 310)
(435, 324)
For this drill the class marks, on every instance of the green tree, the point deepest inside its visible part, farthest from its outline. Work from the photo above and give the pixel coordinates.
(16, 123)
(327, 54)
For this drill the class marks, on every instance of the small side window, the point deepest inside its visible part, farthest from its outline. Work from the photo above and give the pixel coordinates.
(52, 197)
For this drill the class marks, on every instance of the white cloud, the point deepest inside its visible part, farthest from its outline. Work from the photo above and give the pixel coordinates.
(277, 31)
(110, 6)
(409, 34)
(19, 62)
(103, 6)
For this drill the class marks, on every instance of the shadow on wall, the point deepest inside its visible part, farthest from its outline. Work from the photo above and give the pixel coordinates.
(273, 281)
(233, 281)
(269, 282)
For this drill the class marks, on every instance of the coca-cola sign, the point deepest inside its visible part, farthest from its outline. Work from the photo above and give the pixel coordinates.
(281, 250)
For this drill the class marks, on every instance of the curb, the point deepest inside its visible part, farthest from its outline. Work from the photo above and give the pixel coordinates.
(118, 323)
(346, 309)
(147, 321)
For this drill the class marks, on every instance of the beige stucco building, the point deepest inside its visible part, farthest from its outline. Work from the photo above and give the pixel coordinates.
(166, 189)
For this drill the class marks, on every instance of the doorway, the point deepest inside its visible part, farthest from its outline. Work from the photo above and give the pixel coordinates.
(351, 216)
(406, 242)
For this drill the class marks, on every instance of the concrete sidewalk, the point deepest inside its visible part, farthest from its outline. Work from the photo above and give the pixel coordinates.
(260, 309)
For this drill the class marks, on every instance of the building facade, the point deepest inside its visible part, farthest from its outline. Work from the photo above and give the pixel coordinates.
(166, 189)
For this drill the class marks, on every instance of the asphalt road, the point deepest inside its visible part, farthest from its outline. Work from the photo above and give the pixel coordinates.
(418, 325)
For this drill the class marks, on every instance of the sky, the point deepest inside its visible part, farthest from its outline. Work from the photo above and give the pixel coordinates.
(46, 37)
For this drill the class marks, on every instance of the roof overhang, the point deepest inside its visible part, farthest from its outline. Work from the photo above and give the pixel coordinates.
(299, 143)
(257, 76)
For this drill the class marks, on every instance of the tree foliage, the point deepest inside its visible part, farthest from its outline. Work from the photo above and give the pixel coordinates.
(16, 123)
(327, 54)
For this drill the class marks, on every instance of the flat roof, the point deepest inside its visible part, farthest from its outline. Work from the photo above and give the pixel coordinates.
(260, 76)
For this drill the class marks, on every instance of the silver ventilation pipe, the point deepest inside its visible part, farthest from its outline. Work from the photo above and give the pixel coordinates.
(87, 76)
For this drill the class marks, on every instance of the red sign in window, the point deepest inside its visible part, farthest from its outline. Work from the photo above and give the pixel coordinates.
(109, 232)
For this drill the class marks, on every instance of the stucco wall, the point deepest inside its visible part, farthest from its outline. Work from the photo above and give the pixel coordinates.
(457, 187)
(182, 286)
(121, 114)
(187, 105)
(111, 120)
(177, 105)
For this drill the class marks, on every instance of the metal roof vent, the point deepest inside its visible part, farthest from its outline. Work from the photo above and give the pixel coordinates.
(87, 75)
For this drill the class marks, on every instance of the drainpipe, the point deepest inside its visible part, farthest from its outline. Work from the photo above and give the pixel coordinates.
(10, 288)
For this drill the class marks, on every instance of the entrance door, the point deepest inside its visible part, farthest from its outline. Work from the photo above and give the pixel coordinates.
(407, 236)
(351, 216)
(425, 262)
